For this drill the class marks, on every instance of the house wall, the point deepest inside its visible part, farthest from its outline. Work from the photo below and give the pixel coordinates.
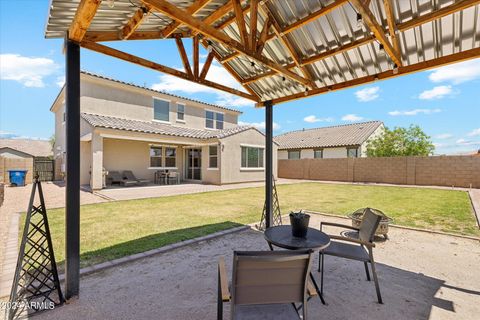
(363, 147)
(211, 175)
(231, 157)
(328, 153)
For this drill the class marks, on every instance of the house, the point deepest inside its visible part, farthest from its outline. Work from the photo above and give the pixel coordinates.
(129, 127)
(340, 141)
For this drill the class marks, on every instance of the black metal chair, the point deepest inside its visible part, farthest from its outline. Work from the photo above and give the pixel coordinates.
(360, 249)
(268, 278)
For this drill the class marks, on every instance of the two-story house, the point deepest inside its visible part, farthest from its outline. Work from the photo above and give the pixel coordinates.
(128, 127)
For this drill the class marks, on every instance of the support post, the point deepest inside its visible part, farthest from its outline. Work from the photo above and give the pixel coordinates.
(72, 196)
(268, 163)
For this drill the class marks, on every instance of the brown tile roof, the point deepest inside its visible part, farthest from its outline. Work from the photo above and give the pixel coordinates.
(36, 148)
(335, 136)
(159, 128)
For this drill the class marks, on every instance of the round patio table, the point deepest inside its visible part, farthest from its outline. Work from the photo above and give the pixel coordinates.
(281, 236)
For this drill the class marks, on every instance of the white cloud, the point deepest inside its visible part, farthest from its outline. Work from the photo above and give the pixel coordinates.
(444, 136)
(258, 125)
(474, 133)
(313, 119)
(438, 145)
(465, 142)
(352, 118)
(60, 81)
(436, 93)
(413, 112)
(367, 94)
(457, 73)
(217, 74)
(29, 71)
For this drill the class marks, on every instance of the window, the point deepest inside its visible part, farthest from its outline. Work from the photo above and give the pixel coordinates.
(180, 112)
(213, 120)
(293, 154)
(252, 157)
(170, 157)
(161, 110)
(352, 152)
(213, 156)
(318, 153)
(155, 156)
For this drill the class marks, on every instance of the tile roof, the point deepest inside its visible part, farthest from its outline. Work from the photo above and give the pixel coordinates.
(36, 148)
(342, 135)
(110, 122)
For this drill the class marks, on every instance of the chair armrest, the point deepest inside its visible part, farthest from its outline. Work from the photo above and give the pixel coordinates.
(311, 289)
(222, 280)
(337, 225)
(367, 244)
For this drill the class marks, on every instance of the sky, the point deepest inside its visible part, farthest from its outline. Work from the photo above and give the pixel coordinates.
(444, 102)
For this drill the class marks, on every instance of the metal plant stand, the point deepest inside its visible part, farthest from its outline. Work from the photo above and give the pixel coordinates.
(36, 286)
(277, 216)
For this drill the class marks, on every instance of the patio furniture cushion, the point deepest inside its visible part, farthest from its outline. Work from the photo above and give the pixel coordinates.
(128, 175)
(116, 177)
(266, 312)
(347, 250)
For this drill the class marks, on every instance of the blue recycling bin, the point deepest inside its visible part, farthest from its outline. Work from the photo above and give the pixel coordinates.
(17, 177)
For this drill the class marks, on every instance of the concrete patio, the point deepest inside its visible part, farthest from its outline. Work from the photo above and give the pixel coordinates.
(422, 276)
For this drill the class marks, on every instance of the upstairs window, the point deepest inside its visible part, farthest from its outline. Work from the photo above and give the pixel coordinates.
(318, 153)
(180, 112)
(252, 157)
(352, 152)
(214, 120)
(161, 110)
(219, 122)
(293, 154)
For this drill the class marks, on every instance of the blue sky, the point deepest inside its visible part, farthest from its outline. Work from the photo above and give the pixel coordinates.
(444, 102)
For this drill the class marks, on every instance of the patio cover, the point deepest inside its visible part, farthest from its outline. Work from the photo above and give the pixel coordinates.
(278, 50)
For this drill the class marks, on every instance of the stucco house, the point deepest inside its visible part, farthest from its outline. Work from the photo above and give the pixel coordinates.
(340, 141)
(129, 127)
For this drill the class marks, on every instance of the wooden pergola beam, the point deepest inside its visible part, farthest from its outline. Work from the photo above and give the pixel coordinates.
(194, 8)
(262, 40)
(183, 55)
(237, 8)
(253, 23)
(391, 24)
(101, 36)
(134, 22)
(404, 70)
(214, 34)
(206, 65)
(159, 67)
(84, 15)
(196, 56)
(377, 30)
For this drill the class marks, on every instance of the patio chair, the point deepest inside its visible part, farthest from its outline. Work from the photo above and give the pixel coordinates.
(360, 249)
(127, 174)
(173, 176)
(116, 177)
(272, 278)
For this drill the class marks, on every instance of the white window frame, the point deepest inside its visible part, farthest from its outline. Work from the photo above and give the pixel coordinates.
(294, 150)
(315, 150)
(184, 108)
(242, 168)
(153, 110)
(214, 119)
(163, 167)
(210, 156)
(356, 152)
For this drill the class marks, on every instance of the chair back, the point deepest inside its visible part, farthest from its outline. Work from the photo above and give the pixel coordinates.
(270, 277)
(129, 175)
(114, 176)
(173, 174)
(369, 225)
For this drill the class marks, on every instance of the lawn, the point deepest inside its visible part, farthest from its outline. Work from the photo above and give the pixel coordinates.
(116, 229)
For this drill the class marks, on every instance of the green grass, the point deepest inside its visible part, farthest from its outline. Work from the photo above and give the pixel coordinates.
(116, 229)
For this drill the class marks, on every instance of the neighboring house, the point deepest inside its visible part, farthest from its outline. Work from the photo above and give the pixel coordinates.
(340, 141)
(128, 127)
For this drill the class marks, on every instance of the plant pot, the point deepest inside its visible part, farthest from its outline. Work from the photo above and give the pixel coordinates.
(299, 223)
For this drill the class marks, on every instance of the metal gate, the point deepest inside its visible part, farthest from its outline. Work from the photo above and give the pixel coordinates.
(45, 168)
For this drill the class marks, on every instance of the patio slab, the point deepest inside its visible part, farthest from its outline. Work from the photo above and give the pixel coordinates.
(422, 276)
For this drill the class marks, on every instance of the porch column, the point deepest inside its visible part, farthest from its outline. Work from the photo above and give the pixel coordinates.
(72, 195)
(268, 162)
(97, 162)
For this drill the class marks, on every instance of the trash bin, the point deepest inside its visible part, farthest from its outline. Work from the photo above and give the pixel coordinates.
(17, 177)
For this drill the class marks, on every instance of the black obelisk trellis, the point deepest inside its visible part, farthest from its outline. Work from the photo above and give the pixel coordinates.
(36, 286)
(277, 215)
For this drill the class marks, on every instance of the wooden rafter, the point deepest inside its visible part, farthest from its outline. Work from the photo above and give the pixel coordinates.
(134, 22)
(159, 67)
(217, 35)
(253, 23)
(196, 57)
(206, 65)
(391, 24)
(263, 35)
(183, 55)
(84, 15)
(100, 36)
(377, 30)
(404, 70)
(237, 7)
(194, 8)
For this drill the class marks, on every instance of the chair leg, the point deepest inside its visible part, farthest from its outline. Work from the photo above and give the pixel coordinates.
(366, 270)
(321, 265)
(375, 278)
(219, 303)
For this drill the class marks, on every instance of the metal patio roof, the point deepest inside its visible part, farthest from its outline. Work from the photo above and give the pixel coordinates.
(317, 45)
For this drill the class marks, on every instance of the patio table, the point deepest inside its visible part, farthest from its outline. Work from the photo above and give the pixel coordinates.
(281, 236)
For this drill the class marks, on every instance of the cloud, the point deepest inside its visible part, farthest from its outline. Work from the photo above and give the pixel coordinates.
(60, 81)
(436, 93)
(258, 125)
(367, 94)
(438, 145)
(352, 118)
(444, 136)
(313, 119)
(474, 133)
(28, 71)
(465, 142)
(413, 112)
(217, 74)
(457, 73)
(11, 135)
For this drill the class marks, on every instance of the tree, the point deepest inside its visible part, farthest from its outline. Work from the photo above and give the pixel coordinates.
(52, 141)
(411, 141)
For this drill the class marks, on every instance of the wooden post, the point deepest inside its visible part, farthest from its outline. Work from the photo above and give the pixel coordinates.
(268, 163)
(72, 196)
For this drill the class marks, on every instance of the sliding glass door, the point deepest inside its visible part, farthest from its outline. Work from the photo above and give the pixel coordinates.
(193, 164)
